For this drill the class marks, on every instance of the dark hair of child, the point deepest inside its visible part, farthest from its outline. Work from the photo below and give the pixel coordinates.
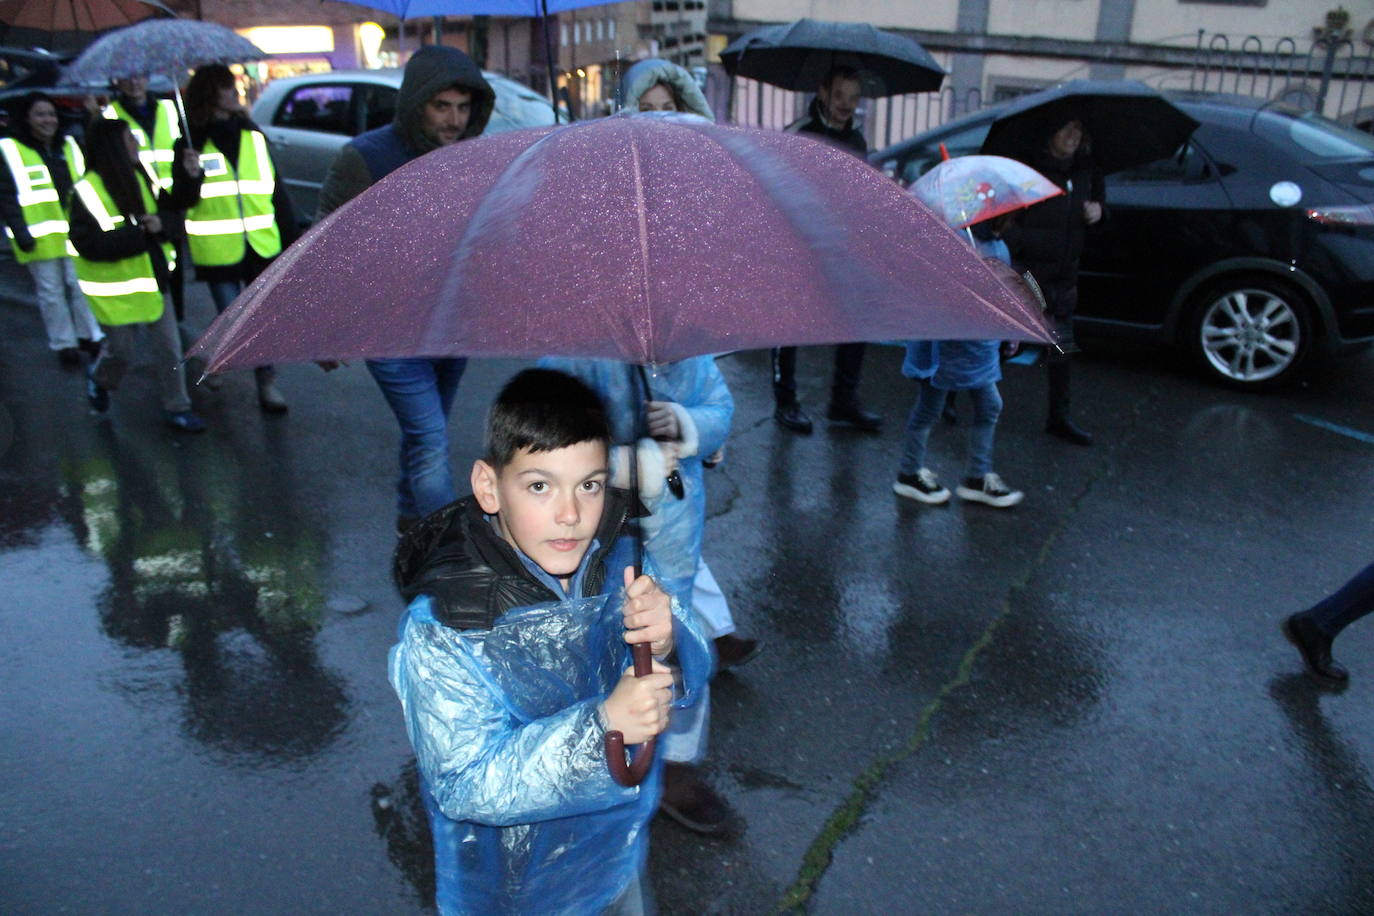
(542, 410)
(108, 156)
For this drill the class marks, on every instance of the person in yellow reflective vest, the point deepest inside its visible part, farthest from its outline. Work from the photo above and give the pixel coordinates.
(156, 126)
(35, 182)
(125, 261)
(238, 215)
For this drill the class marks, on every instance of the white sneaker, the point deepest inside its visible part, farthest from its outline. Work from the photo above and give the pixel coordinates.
(989, 491)
(923, 486)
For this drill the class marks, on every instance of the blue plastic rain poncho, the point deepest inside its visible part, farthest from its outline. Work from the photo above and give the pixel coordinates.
(507, 731)
(672, 533)
(959, 365)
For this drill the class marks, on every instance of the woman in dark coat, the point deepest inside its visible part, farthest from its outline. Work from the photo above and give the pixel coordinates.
(224, 134)
(1048, 242)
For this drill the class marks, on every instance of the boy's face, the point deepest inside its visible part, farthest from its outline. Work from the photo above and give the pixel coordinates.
(549, 504)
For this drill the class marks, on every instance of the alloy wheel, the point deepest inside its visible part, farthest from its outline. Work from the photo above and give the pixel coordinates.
(1250, 335)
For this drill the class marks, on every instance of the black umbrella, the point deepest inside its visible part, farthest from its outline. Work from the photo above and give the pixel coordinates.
(1128, 123)
(798, 55)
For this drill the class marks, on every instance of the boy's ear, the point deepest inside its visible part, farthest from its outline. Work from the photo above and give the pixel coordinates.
(484, 489)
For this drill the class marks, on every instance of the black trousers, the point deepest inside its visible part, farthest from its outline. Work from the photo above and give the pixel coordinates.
(844, 385)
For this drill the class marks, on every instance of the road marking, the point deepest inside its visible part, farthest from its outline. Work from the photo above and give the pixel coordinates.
(1335, 428)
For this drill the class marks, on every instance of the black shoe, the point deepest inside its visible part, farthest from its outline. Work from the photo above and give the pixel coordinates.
(1069, 431)
(69, 357)
(791, 416)
(733, 651)
(688, 800)
(97, 397)
(855, 416)
(1315, 648)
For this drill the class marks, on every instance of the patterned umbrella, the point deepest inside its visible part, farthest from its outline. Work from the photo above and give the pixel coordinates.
(971, 189)
(170, 46)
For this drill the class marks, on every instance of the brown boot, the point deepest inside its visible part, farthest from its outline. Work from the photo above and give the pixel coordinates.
(688, 800)
(268, 396)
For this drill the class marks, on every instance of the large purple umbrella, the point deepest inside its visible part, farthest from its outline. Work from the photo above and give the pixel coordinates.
(643, 239)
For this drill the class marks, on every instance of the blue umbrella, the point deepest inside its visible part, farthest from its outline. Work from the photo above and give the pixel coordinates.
(420, 9)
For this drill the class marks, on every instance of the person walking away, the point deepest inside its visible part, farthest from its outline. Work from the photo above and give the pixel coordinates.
(1048, 241)
(946, 366)
(41, 167)
(512, 666)
(1314, 630)
(123, 260)
(238, 216)
(443, 99)
(659, 85)
(830, 118)
(156, 127)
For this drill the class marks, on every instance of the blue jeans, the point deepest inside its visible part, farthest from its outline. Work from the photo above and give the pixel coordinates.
(420, 392)
(1347, 604)
(987, 407)
(223, 293)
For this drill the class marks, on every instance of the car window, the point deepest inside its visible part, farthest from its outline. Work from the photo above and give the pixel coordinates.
(1311, 136)
(1188, 164)
(921, 159)
(321, 107)
(378, 105)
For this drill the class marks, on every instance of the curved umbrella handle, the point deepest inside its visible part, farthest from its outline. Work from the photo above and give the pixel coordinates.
(631, 774)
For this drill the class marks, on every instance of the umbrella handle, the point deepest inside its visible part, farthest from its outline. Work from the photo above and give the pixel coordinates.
(633, 773)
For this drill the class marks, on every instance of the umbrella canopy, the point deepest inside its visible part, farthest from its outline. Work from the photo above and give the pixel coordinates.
(419, 9)
(640, 238)
(971, 189)
(69, 24)
(170, 46)
(1129, 123)
(798, 55)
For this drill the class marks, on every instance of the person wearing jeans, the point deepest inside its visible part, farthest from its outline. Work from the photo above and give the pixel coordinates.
(443, 99)
(1312, 631)
(223, 293)
(420, 393)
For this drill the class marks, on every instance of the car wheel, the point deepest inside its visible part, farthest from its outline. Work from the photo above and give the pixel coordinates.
(1250, 332)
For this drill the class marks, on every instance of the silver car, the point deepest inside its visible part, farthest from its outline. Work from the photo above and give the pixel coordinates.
(308, 119)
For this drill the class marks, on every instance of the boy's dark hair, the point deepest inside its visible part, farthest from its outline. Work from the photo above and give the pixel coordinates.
(542, 410)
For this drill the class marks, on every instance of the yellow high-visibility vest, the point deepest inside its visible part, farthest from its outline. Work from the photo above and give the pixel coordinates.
(235, 207)
(44, 214)
(123, 291)
(154, 152)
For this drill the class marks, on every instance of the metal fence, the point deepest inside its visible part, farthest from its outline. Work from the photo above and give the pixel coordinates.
(1334, 76)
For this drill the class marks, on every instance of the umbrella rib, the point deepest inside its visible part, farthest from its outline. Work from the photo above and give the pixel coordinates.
(642, 215)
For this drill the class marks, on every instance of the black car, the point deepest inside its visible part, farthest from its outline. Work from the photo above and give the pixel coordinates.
(1252, 247)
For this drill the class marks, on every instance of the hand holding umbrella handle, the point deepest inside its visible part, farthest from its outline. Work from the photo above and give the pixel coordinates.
(633, 773)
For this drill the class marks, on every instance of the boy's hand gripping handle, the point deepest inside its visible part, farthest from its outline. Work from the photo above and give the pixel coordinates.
(631, 774)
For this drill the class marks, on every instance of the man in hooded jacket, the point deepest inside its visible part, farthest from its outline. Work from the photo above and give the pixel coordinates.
(443, 99)
(831, 119)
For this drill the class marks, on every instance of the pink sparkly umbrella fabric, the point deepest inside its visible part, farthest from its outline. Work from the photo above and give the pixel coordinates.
(646, 239)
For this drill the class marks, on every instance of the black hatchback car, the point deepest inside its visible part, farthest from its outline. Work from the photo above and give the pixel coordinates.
(1252, 247)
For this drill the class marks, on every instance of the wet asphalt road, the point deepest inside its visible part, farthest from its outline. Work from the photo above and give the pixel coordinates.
(1081, 705)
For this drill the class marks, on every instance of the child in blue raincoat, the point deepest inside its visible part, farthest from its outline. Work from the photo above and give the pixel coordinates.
(513, 664)
(689, 412)
(957, 365)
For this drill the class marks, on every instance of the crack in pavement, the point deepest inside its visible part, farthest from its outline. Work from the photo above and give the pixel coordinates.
(819, 855)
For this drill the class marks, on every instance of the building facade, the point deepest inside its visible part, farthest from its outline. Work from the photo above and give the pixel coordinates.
(995, 49)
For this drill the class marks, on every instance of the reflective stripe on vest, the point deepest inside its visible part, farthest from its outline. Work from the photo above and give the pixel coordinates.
(235, 206)
(156, 152)
(42, 211)
(123, 291)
